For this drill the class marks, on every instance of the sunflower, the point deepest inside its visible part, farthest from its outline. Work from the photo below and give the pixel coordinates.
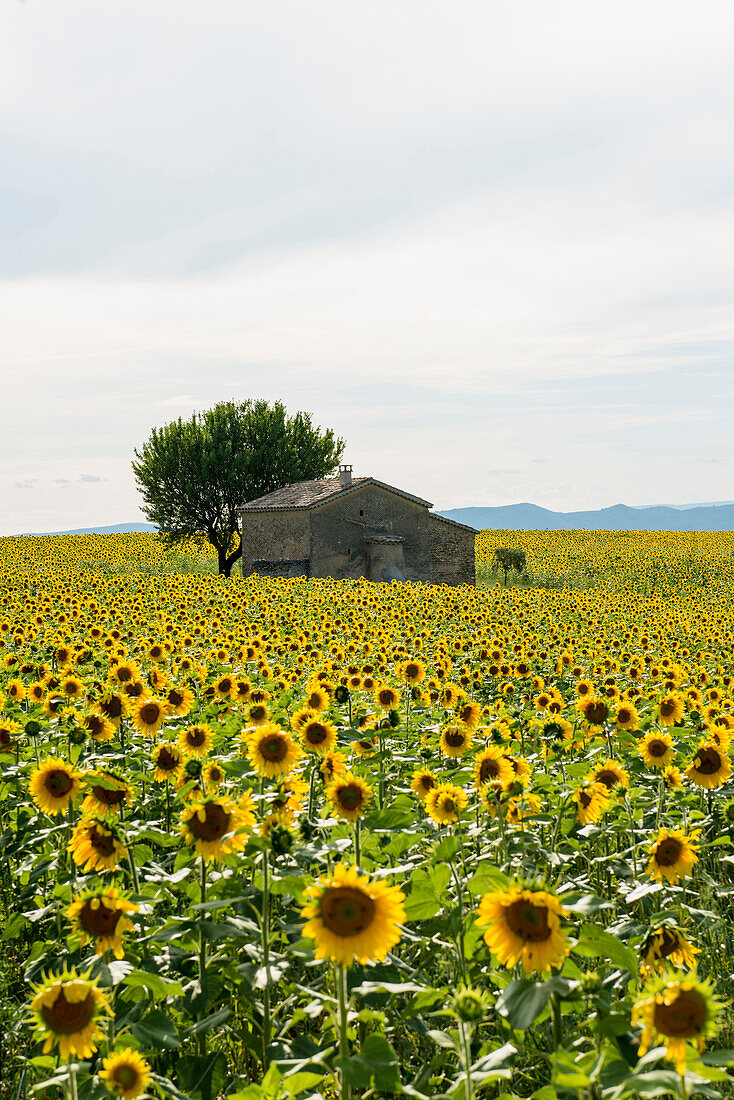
(98, 727)
(423, 782)
(333, 764)
(225, 686)
(524, 925)
(215, 826)
(455, 740)
(149, 715)
(711, 767)
(675, 1009)
(366, 748)
(213, 775)
(54, 784)
(611, 774)
(386, 697)
(594, 710)
(107, 794)
(672, 777)
(519, 809)
(670, 709)
(302, 717)
(126, 1073)
(491, 765)
(663, 945)
(626, 717)
(316, 699)
(318, 736)
(672, 855)
(412, 672)
(195, 740)
(445, 803)
(468, 714)
(9, 734)
(95, 845)
(351, 918)
(114, 706)
(349, 796)
(591, 799)
(257, 714)
(168, 762)
(656, 749)
(101, 916)
(67, 1010)
(180, 700)
(124, 672)
(271, 751)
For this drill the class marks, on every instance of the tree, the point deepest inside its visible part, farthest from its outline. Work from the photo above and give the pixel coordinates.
(506, 558)
(195, 474)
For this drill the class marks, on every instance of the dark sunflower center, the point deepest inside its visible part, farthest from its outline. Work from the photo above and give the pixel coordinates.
(488, 769)
(124, 674)
(427, 782)
(315, 733)
(101, 921)
(112, 707)
(608, 778)
(134, 689)
(175, 698)
(94, 724)
(126, 1076)
(667, 707)
(412, 671)
(150, 713)
(108, 796)
(68, 1017)
(668, 852)
(668, 944)
(448, 805)
(596, 713)
(215, 824)
(529, 922)
(454, 739)
(257, 712)
(347, 910)
(386, 698)
(623, 715)
(58, 783)
(685, 1018)
(351, 796)
(657, 748)
(166, 761)
(103, 843)
(585, 799)
(225, 686)
(274, 749)
(708, 761)
(5, 738)
(195, 737)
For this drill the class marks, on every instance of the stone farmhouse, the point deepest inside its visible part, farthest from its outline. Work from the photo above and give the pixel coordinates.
(353, 527)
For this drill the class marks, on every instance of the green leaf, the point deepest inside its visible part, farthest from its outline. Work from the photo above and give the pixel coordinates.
(428, 892)
(156, 1030)
(487, 878)
(595, 941)
(523, 1001)
(210, 1022)
(154, 983)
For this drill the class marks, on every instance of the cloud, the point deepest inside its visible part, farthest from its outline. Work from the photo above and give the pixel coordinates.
(28, 483)
(89, 479)
(61, 481)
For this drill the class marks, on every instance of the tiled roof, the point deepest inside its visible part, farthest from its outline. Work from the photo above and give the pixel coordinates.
(307, 494)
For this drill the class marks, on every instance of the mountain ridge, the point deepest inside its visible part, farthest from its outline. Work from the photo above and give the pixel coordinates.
(619, 517)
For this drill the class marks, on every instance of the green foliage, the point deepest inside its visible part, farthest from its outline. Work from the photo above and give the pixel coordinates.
(195, 474)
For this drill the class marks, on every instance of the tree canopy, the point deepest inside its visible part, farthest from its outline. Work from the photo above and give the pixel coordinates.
(195, 474)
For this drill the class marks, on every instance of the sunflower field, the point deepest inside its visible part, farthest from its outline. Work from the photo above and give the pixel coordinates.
(268, 839)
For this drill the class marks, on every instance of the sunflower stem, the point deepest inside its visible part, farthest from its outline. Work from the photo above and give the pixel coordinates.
(556, 1017)
(460, 934)
(265, 930)
(201, 1038)
(133, 867)
(73, 1092)
(466, 1033)
(357, 843)
(340, 974)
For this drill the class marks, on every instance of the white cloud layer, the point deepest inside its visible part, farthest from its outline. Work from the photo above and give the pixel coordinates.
(490, 245)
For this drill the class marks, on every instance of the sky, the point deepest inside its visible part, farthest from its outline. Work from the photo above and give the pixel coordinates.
(488, 243)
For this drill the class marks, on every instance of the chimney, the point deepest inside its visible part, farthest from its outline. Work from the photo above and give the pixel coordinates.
(345, 477)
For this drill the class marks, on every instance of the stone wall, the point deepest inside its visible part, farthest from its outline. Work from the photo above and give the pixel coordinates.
(268, 536)
(339, 528)
(452, 553)
(282, 567)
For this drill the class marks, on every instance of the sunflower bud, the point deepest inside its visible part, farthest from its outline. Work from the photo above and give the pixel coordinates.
(469, 1004)
(393, 717)
(342, 694)
(192, 768)
(281, 840)
(77, 735)
(33, 728)
(590, 983)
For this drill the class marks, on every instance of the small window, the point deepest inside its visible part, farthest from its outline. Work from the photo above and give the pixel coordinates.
(361, 512)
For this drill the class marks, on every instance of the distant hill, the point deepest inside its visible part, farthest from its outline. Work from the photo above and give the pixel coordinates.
(115, 529)
(620, 517)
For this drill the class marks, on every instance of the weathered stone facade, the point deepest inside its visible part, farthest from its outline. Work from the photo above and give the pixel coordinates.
(354, 528)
